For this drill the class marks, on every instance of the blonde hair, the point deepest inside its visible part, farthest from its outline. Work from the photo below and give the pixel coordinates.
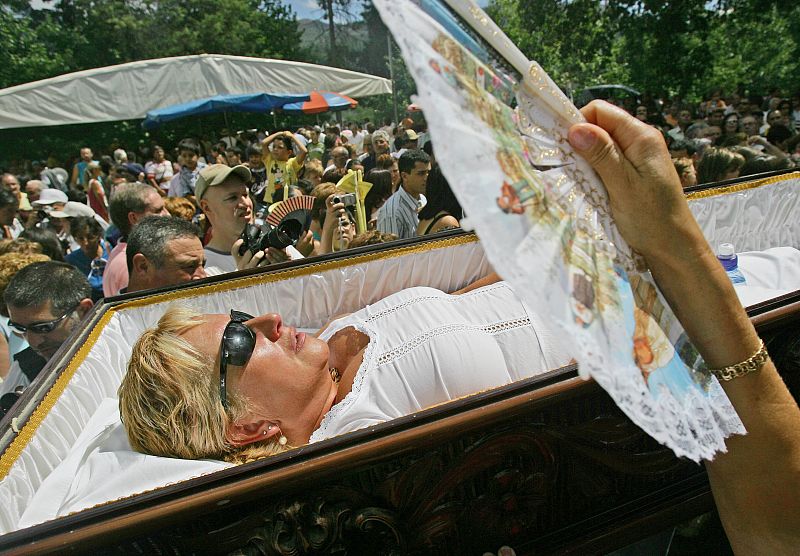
(11, 263)
(20, 245)
(169, 398)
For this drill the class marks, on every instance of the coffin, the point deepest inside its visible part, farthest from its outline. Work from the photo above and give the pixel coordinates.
(547, 465)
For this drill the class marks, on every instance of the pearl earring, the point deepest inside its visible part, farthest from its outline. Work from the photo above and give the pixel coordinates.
(283, 440)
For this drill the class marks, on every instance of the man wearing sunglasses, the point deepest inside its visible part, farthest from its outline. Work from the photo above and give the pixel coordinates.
(45, 302)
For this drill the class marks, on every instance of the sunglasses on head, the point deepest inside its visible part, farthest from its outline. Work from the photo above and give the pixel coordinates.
(236, 347)
(41, 327)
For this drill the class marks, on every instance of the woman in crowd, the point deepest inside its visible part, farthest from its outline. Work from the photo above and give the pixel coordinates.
(381, 190)
(442, 211)
(240, 387)
(719, 164)
(92, 256)
(95, 194)
(48, 239)
(159, 170)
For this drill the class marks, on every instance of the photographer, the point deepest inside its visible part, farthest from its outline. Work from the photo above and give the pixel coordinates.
(338, 229)
(225, 199)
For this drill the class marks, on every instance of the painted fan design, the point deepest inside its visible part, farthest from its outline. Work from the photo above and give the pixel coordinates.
(296, 208)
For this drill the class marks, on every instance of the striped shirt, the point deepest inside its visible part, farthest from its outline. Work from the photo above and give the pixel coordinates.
(398, 215)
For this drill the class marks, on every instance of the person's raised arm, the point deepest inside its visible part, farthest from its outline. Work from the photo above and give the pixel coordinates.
(333, 212)
(769, 148)
(268, 141)
(756, 485)
(301, 149)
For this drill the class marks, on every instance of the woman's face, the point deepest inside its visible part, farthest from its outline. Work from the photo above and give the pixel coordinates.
(89, 243)
(732, 124)
(286, 378)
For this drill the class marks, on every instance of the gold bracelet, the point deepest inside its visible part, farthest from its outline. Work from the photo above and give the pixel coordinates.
(749, 365)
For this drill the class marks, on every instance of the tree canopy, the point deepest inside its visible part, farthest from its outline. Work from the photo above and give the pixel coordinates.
(674, 47)
(82, 34)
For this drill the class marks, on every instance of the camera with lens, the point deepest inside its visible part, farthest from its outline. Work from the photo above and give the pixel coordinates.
(349, 199)
(260, 237)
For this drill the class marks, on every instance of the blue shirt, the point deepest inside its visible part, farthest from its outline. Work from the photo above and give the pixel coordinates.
(398, 215)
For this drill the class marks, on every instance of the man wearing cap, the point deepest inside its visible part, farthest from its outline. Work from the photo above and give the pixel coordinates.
(45, 302)
(224, 198)
(163, 251)
(50, 199)
(130, 203)
(380, 145)
(407, 140)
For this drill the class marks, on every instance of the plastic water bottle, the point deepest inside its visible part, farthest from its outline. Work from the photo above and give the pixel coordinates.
(730, 262)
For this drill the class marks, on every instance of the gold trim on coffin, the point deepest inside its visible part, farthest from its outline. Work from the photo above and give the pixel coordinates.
(736, 188)
(14, 450)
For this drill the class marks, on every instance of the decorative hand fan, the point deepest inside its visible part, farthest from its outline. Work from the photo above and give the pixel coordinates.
(297, 208)
(542, 215)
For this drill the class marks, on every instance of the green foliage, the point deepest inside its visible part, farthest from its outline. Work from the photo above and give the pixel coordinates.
(29, 51)
(82, 34)
(677, 47)
(674, 47)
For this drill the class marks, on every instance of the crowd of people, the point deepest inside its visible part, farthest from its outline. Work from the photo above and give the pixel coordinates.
(726, 136)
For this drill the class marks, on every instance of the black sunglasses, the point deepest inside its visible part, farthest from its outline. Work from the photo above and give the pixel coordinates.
(238, 343)
(41, 327)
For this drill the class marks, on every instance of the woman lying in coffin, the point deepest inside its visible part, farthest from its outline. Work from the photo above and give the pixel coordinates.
(238, 387)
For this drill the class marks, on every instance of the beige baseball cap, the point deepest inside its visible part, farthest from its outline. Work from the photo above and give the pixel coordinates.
(215, 174)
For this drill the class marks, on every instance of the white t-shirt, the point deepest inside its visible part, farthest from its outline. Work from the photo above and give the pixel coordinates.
(219, 263)
(427, 347)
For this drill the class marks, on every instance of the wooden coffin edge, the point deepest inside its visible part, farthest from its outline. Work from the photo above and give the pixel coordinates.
(151, 512)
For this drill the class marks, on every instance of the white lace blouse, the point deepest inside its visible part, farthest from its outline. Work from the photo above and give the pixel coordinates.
(427, 347)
